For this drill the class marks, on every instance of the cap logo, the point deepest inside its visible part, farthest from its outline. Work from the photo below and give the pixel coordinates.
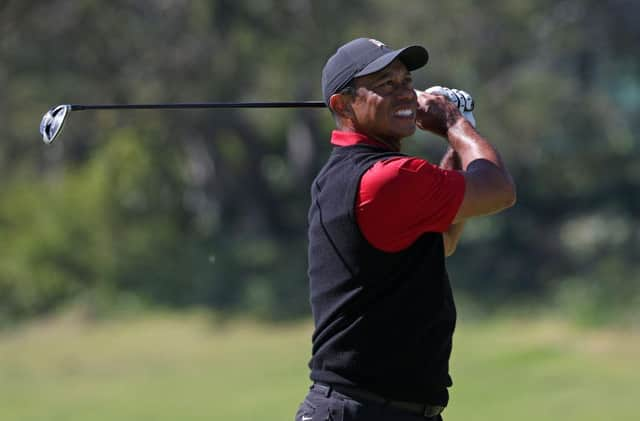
(376, 42)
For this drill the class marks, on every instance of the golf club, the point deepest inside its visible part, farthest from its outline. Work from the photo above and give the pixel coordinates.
(54, 119)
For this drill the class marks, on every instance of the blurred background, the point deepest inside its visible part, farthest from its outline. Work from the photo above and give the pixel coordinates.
(153, 263)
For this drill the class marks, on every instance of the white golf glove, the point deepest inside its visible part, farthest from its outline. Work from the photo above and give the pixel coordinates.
(461, 99)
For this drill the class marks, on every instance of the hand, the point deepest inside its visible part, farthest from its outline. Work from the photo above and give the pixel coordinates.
(462, 99)
(436, 113)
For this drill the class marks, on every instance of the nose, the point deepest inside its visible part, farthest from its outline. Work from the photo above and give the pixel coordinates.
(406, 93)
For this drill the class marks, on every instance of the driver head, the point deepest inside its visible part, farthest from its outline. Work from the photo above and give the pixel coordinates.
(52, 122)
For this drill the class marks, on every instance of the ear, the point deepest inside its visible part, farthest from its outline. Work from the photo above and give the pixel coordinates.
(341, 106)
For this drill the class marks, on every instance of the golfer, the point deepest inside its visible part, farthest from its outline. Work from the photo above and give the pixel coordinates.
(380, 226)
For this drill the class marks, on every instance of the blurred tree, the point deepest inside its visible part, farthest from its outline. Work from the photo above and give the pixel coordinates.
(209, 208)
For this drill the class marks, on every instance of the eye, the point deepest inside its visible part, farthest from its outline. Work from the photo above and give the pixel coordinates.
(385, 84)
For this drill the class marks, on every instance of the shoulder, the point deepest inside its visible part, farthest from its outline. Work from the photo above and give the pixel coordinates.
(401, 198)
(402, 170)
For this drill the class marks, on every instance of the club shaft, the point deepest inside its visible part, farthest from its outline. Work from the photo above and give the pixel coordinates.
(285, 104)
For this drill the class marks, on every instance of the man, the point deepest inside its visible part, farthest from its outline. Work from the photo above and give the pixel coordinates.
(380, 226)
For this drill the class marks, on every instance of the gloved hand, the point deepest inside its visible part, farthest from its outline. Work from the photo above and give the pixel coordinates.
(461, 99)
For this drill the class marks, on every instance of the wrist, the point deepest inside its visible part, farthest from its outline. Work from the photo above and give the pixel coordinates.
(460, 133)
(458, 124)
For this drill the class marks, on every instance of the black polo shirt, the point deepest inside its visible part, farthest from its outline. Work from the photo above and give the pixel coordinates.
(383, 320)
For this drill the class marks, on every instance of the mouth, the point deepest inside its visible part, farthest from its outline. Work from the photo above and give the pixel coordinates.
(407, 113)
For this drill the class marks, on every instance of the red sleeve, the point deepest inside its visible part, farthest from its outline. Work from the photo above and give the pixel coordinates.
(402, 198)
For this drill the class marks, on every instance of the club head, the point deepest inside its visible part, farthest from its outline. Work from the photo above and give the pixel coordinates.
(52, 122)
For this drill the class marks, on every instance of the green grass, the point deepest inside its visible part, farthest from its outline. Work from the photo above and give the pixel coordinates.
(191, 367)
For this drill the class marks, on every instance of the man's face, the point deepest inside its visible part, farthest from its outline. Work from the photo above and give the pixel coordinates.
(384, 104)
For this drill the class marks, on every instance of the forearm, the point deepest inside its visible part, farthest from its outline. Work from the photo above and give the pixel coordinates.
(489, 187)
(470, 146)
(485, 173)
(451, 237)
(451, 161)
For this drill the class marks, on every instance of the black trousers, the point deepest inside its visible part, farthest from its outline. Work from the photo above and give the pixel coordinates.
(321, 404)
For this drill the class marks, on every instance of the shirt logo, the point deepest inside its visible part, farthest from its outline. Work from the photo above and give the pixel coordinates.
(377, 43)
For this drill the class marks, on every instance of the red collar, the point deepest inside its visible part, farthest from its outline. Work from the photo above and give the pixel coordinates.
(340, 138)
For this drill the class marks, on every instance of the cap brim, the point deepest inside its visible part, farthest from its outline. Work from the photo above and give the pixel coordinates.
(414, 57)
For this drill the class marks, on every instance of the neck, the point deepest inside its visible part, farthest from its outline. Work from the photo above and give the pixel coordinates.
(393, 144)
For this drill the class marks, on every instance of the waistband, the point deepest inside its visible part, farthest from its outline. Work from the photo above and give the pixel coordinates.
(349, 392)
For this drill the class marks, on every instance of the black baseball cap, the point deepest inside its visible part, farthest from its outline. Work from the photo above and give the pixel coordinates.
(364, 56)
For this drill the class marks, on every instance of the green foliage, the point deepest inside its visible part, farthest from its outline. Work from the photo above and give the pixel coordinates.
(208, 208)
(106, 218)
